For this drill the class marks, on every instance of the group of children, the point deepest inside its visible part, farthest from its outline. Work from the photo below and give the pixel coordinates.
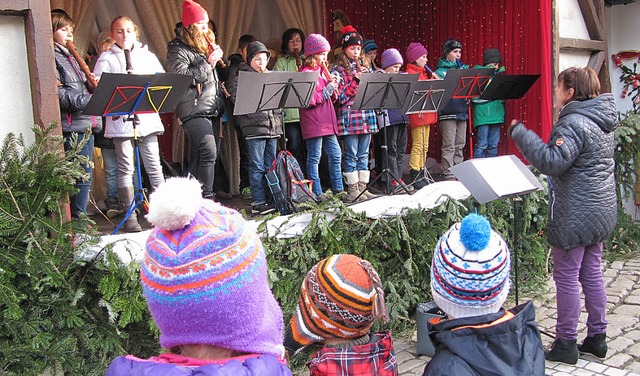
(204, 276)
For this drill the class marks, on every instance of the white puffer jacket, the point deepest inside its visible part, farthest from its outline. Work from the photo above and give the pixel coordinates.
(143, 62)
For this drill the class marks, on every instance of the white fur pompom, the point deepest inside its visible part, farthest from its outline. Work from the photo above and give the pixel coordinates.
(175, 203)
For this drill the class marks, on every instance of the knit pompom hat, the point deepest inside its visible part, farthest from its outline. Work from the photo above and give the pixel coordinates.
(369, 45)
(193, 12)
(491, 55)
(415, 51)
(450, 45)
(470, 269)
(390, 57)
(204, 275)
(350, 37)
(315, 44)
(341, 296)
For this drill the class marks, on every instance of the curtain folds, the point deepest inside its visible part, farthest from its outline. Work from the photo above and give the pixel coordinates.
(158, 19)
(83, 14)
(308, 16)
(232, 21)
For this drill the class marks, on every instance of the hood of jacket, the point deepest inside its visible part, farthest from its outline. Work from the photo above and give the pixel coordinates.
(475, 346)
(601, 110)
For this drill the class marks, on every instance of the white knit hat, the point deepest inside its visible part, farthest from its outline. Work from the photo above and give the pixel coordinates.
(470, 269)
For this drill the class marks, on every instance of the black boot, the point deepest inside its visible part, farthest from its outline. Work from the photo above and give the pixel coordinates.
(596, 346)
(417, 179)
(563, 350)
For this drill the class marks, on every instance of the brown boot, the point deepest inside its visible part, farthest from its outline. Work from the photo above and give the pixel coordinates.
(125, 196)
(363, 180)
(351, 185)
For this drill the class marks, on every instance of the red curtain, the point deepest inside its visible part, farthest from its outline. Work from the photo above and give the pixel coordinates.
(520, 29)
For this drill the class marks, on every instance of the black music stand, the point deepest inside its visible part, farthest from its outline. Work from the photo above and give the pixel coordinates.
(275, 90)
(468, 83)
(379, 92)
(128, 95)
(428, 96)
(501, 177)
(503, 86)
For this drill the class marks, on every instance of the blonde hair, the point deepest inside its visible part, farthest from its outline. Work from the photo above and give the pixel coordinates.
(343, 61)
(135, 27)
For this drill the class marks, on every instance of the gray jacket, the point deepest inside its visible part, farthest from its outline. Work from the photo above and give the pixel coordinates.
(204, 96)
(72, 92)
(578, 161)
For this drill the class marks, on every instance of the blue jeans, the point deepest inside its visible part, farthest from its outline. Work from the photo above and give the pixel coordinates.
(79, 200)
(261, 153)
(487, 138)
(314, 152)
(356, 152)
(111, 172)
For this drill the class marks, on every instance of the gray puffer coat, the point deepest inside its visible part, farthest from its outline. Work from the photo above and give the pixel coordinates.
(72, 92)
(204, 97)
(578, 160)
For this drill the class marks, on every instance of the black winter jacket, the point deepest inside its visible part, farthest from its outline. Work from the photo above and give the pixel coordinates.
(72, 92)
(207, 101)
(263, 124)
(511, 347)
(578, 161)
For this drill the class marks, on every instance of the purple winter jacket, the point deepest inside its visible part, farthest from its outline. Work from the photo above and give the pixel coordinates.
(256, 365)
(319, 119)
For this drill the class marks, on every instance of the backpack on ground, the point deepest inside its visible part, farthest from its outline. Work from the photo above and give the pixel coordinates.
(287, 183)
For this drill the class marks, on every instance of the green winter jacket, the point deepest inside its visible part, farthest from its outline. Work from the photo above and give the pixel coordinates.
(487, 112)
(287, 63)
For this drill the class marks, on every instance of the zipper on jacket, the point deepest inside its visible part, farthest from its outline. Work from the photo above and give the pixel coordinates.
(553, 202)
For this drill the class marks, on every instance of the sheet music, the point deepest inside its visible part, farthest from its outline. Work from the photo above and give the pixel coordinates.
(502, 175)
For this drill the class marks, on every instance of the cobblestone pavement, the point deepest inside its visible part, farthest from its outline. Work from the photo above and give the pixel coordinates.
(623, 332)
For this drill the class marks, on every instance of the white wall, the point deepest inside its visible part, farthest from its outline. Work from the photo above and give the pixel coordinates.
(16, 106)
(571, 25)
(623, 23)
(622, 34)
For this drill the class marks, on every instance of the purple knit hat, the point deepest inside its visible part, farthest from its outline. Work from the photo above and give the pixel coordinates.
(315, 44)
(204, 275)
(390, 57)
(414, 51)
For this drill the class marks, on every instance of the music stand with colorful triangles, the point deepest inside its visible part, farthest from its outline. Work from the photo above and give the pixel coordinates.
(127, 95)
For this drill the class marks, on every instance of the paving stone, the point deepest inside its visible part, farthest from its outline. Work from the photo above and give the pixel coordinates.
(581, 372)
(633, 335)
(618, 324)
(617, 265)
(633, 367)
(615, 372)
(404, 356)
(596, 367)
(632, 299)
(400, 346)
(634, 351)
(411, 365)
(609, 273)
(627, 310)
(618, 360)
(620, 344)
(564, 368)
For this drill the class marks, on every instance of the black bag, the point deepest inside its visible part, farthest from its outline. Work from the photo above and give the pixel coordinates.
(287, 183)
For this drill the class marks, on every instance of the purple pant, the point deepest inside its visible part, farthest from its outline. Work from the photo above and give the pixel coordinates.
(579, 264)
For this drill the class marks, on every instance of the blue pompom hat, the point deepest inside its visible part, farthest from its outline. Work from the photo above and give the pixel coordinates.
(470, 269)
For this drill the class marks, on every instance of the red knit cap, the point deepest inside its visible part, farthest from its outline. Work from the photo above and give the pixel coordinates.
(193, 12)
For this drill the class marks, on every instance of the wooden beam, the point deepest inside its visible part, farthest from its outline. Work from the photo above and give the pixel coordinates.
(591, 18)
(597, 60)
(603, 75)
(581, 44)
(13, 5)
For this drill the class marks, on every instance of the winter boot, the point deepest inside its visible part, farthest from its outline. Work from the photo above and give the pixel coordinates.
(417, 179)
(363, 180)
(563, 350)
(125, 195)
(351, 183)
(113, 208)
(596, 346)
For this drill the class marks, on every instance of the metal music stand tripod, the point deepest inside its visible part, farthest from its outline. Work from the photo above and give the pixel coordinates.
(380, 92)
(128, 95)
